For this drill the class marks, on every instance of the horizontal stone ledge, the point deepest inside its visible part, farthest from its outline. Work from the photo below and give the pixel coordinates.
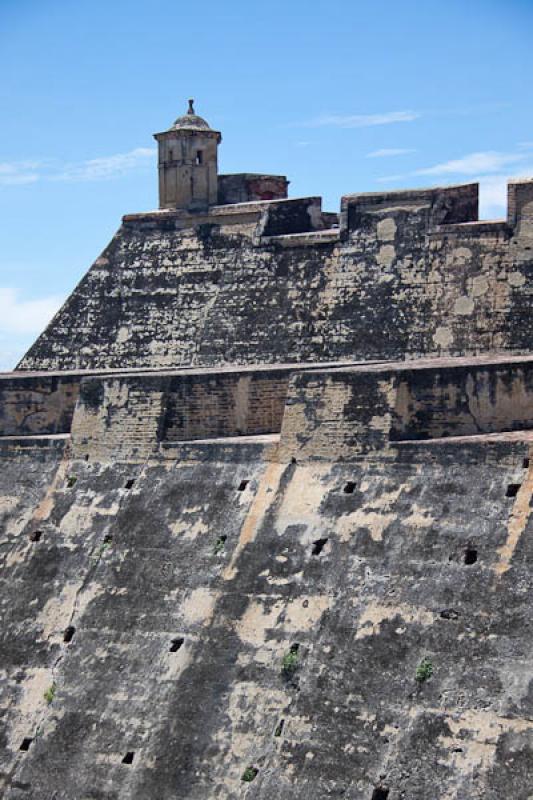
(311, 238)
(496, 227)
(22, 375)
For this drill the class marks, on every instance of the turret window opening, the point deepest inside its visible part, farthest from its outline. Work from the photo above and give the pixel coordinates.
(171, 154)
(199, 157)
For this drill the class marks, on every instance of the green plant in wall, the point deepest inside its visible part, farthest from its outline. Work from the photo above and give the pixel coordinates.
(290, 661)
(249, 774)
(50, 693)
(71, 481)
(106, 545)
(219, 545)
(424, 671)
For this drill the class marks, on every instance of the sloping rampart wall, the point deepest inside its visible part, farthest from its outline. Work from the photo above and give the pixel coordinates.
(158, 605)
(406, 274)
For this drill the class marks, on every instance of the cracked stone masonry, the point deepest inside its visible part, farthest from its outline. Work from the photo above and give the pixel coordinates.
(265, 502)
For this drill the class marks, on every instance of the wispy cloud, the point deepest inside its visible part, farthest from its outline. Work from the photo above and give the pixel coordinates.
(493, 196)
(18, 172)
(93, 169)
(20, 321)
(97, 169)
(25, 316)
(491, 169)
(393, 178)
(473, 164)
(360, 120)
(387, 152)
(493, 191)
(473, 109)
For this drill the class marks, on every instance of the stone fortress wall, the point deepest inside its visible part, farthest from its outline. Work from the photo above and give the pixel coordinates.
(156, 586)
(313, 411)
(402, 275)
(265, 504)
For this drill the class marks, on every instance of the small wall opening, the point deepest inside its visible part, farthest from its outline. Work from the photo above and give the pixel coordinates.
(176, 644)
(525, 463)
(470, 556)
(129, 483)
(380, 793)
(512, 489)
(449, 613)
(108, 538)
(128, 758)
(199, 157)
(26, 742)
(35, 536)
(279, 728)
(318, 546)
(349, 487)
(68, 635)
(242, 485)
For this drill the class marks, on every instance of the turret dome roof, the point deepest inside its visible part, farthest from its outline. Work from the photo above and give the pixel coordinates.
(191, 121)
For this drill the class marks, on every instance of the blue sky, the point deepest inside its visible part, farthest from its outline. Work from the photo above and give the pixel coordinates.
(340, 96)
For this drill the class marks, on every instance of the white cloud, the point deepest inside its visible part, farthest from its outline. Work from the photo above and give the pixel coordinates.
(18, 172)
(473, 164)
(385, 152)
(93, 169)
(96, 169)
(493, 196)
(361, 120)
(391, 178)
(493, 192)
(19, 316)
(12, 350)
(20, 322)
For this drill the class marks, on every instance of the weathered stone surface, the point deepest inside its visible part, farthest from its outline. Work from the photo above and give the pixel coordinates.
(239, 559)
(406, 274)
(389, 588)
(248, 187)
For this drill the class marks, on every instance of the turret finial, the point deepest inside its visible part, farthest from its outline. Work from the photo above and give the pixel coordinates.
(191, 107)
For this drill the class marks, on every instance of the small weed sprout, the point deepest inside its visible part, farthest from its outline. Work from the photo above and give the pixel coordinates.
(101, 550)
(424, 671)
(219, 545)
(290, 662)
(249, 774)
(50, 693)
(71, 481)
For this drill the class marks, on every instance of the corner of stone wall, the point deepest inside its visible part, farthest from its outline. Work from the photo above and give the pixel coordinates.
(438, 206)
(283, 217)
(520, 206)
